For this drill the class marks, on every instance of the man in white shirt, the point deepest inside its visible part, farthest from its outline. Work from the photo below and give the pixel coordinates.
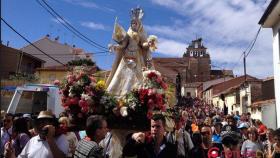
(48, 144)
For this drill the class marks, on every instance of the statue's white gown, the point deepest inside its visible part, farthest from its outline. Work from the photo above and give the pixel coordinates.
(129, 71)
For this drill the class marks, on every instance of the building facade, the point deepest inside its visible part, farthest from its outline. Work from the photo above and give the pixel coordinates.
(270, 19)
(61, 52)
(14, 61)
(194, 66)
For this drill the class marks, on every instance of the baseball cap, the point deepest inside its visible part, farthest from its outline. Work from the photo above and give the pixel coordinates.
(230, 135)
(28, 116)
(243, 125)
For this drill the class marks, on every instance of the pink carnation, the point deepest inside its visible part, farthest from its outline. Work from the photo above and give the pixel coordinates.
(56, 82)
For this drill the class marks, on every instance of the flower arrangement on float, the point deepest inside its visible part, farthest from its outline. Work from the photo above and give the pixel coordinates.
(80, 91)
(149, 97)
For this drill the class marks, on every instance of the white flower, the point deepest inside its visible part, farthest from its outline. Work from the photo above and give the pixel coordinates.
(71, 94)
(123, 111)
(85, 96)
(160, 91)
(133, 105)
(79, 82)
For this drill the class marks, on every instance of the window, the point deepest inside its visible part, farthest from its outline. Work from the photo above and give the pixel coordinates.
(32, 102)
(196, 45)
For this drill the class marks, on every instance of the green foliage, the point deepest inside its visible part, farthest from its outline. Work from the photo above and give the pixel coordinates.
(24, 76)
(80, 62)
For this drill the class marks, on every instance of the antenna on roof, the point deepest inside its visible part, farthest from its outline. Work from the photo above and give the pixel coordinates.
(56, 38)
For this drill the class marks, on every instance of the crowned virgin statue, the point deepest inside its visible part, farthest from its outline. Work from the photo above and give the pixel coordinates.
(133, 54)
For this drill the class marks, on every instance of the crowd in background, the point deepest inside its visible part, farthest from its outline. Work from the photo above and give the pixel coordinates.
(201, 130)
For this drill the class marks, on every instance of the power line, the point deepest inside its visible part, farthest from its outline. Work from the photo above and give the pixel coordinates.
(66, 54)
(68, 26)
(254, 41)
(66, 22)
(30, 42)
(250, 47)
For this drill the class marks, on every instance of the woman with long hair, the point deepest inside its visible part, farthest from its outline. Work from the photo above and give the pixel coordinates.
(251, 146)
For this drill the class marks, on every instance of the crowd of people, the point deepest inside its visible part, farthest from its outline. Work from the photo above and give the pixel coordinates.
(200, 131)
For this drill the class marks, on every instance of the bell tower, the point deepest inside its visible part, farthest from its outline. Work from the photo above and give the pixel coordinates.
(198, 69)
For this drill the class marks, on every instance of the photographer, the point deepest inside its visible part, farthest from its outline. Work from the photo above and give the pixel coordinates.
(49, 143)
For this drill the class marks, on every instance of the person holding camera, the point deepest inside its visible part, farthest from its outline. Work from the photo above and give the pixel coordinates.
(49, 143)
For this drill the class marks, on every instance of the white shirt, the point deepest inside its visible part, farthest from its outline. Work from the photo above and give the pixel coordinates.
(36, 147)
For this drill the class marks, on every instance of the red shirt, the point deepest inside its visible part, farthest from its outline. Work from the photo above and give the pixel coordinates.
(262, 129)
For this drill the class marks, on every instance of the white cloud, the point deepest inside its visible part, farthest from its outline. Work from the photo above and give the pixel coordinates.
(89, 4)
(226, 26)
(93, 25)
(171, 47)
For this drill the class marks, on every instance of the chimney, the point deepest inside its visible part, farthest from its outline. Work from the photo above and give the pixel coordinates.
(56, 39)
(8, 42)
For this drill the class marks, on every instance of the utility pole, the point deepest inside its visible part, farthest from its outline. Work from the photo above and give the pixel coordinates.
(244, 62)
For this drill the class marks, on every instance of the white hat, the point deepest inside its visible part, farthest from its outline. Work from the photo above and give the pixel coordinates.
(45, 114)
(26, 116)
(243, 125)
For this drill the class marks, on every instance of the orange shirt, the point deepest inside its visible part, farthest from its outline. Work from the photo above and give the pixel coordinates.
(194, 128)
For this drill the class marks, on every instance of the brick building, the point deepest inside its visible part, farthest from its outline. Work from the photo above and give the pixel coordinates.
(14, 61)
(194, 66)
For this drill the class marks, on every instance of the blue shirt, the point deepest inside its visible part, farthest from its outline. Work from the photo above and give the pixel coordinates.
(216, 138)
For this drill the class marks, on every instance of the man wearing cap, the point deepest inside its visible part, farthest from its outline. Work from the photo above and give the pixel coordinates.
(47, 144)
(216, 137)
(243, 127)
(230, 141)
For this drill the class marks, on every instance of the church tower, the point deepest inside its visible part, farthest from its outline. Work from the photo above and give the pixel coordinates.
(198, 68)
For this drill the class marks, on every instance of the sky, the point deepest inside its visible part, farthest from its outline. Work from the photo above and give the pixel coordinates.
(227, 28)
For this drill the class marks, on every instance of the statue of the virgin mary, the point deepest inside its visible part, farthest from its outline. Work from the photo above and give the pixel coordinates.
(132, 50)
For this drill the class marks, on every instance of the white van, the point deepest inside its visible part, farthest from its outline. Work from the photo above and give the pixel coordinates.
(33, 98)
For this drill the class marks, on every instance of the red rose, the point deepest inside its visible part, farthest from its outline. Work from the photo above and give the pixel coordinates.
(150, 104)
(159, 80)
(74, 100)
(143, 93)
(163, 85)
(83, 103)
(163, 108)
(56, 82)
(84, 109)
(152, 75)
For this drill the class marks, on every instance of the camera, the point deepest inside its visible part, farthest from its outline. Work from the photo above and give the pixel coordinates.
(43, 133)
